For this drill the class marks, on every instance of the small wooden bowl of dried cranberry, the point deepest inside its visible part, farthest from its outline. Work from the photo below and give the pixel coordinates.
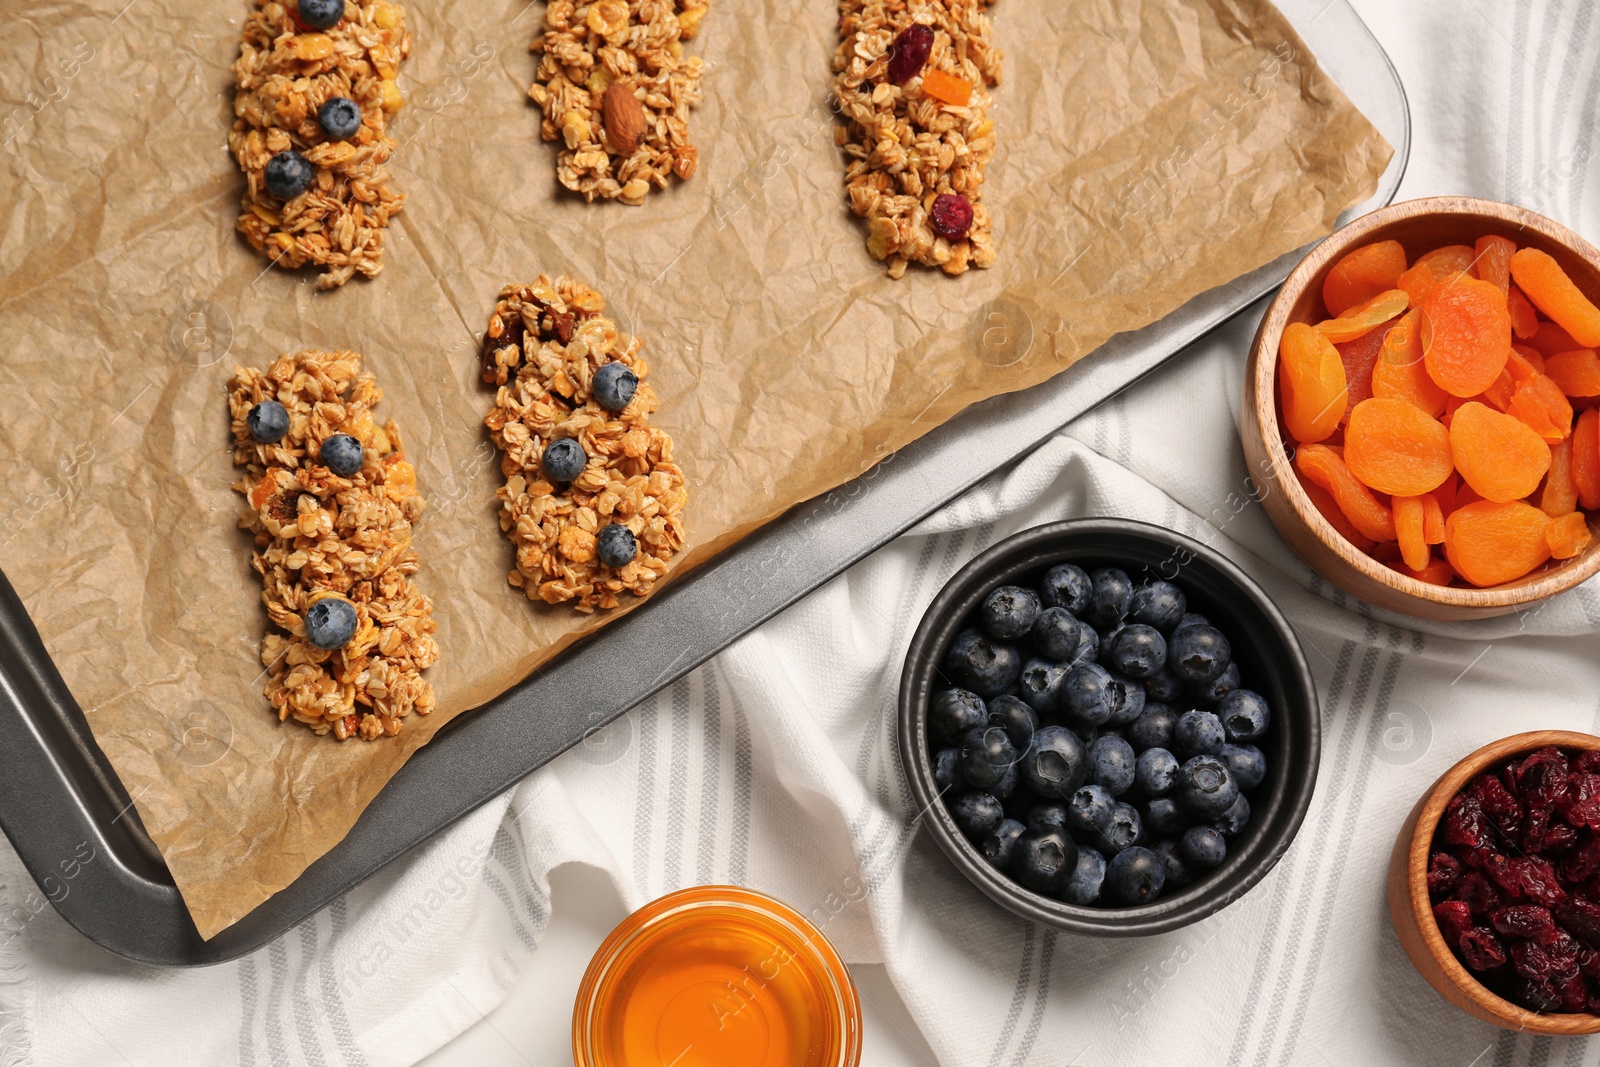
(1494, 883)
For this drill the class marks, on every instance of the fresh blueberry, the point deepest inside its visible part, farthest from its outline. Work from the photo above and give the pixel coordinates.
(1246, 763)
(616, 546)
(268, 421)
(339, 117)
(1135, 876)
(1015, 718)
(1159, 604)
(1189, 619)
(1138, 650)
(1056, 763)
(321, 14)
(1198, 733)
(288, 174)
(1061, 638)
(331, 622)
(614, 385)
(1155, 773)
(1164, 815)
(1066, 586)
(1102, 648)
(1006, 787)
(1111, 765)
(1244, 715)
(986, 754)
(1153, 728)
(1127, 700)
(1089, 810)
(1204, 847)
(977, 814)
(947, 769)
(1208, 694)
(563, 460)
(1199, 653)
(1179, 873)
(1087, 877)
(1043, 859)
(952, 712)
(1125, 830)
(1164, 687)
(981, 664)
(1040, 684)
(1049, 813)
(1206, 787)
(999, 846)
(1086, 696)
(1009, 612)
(1233, 821)
(1111, 597)
(342, 454)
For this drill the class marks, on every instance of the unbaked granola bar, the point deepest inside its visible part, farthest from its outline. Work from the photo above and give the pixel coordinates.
(615, 87)
(287, 71)
(319, 535)
(544, 351)
(912, 80)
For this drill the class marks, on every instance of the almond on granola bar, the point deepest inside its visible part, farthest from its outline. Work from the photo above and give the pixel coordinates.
(316, 188)
(615, 87)
(912, 80)
(592, 501)
(353, 665)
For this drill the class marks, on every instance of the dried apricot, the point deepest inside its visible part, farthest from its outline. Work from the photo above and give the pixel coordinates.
(1447, 262)
(1560, 494)
(1324, 503)
(1396, 448)
(1542, 407)
(1417, 282)
(1550, 339)
(1400, 373)
(1497, 455)
(1586, 458)
(1493, 542)
(1432, 519)
(1466, 335)
(1437, 572)
(1408, 531)
(1366, 316)
(1492, 260)
(1541, 278)
(1313, 390)
(1324, 466)
(1568, 535)
(1359, 357)
(1446, 493)
(1524, 361)
(1577, 373)
(1362, 274)
(1524, 319)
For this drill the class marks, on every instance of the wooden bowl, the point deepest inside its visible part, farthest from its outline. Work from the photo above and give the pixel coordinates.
(1412, 913)
(1419, 225)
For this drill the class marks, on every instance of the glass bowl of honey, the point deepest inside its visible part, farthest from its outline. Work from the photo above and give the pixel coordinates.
(716, 976)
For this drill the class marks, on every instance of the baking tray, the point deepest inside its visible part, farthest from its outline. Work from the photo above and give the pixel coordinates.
(60, 801)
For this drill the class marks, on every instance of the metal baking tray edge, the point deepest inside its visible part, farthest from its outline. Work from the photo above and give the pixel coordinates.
(60, 801)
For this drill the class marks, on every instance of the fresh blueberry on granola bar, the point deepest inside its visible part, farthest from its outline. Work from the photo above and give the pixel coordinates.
(342, 454)
(614, 386)
(339, 117)
(331, 623)
(288, 174)
(563, 460)
(321, 14)
(268, 422)
(617, 546)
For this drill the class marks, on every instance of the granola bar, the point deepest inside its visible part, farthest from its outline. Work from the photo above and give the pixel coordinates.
(911, 80)
(312, 196)
(547, 350)
(616, 88)
(322, 536)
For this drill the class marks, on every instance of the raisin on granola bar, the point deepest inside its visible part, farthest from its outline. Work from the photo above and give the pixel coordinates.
(592, 501)
(311, 108)
(322, 535)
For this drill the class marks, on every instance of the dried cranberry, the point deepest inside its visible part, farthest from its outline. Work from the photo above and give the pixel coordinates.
(1558, 837)
(1563, 952)
(1581, 806)
(1504, 873)
(1588, 762)
(1538, 881)
(1479, 894)
(951, 216)
(1581, 917)
(1497, 803)
(1482, 950)
(1541, 778)
(1525, 920)
(1584, 863)
(1532, 960)
(1444, 874)
(1478, 858)
(909, 52)
(1464, 823)
(1454, 918)
(1589, 961)
(1537, 993)
(1574, 993)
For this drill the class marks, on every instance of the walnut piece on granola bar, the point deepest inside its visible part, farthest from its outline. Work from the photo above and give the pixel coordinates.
(286, 72)
(543, 347)
(319, 534)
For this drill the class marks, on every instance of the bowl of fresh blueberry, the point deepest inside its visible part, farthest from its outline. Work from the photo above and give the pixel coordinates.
(1111, 728)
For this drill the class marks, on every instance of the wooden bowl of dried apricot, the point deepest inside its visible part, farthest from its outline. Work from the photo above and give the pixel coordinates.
(1422, 406)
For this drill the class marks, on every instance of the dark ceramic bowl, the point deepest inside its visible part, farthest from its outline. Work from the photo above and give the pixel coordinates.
(1264, 646)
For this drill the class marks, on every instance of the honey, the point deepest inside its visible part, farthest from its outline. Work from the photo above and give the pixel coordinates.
(716, 976)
